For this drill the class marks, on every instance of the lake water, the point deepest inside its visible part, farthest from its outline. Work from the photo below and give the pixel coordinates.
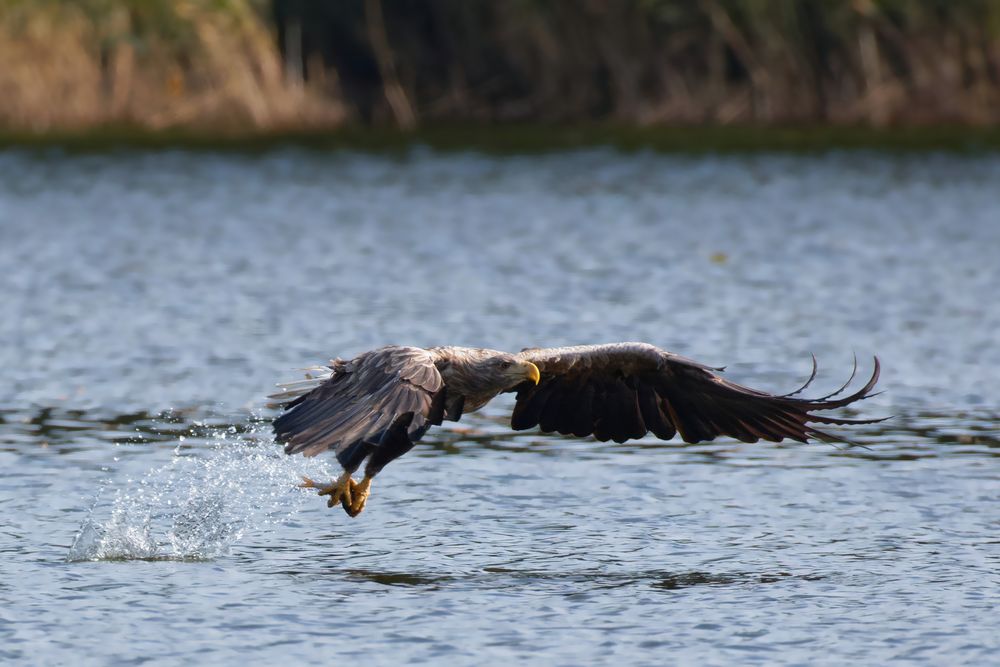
(151, 301)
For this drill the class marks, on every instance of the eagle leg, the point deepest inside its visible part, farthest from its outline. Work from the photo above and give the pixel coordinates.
(359, 496)
(339, 490)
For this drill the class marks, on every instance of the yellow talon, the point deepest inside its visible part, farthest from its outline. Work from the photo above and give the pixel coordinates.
(339, 490)
(359, 493)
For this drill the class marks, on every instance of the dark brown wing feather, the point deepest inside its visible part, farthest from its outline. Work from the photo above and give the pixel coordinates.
(624, 390)
(361, 398)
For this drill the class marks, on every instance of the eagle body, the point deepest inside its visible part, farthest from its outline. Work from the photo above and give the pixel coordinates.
(376, 406)
(475, 376)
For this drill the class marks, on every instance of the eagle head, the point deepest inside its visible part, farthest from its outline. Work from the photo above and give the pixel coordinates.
(508, 371)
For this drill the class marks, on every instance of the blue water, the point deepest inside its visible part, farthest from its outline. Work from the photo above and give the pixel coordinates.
(152, 300)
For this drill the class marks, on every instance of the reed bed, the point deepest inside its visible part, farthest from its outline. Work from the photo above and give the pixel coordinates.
(287, 65)
(149, 64)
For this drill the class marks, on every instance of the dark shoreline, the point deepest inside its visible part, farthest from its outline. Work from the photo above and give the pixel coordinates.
(524, 139)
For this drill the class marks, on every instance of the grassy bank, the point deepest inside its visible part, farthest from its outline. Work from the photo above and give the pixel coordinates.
(286, 66)
(154, 64)
(525, 139)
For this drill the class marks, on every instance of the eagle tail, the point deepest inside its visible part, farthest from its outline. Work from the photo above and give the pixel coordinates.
(291, 392)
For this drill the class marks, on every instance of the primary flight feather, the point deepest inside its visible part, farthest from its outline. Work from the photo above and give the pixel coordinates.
(378, 404)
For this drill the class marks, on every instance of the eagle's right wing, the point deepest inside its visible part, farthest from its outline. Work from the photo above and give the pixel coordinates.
(353, 401)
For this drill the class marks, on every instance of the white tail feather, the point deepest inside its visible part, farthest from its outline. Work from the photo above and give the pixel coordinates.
(289, 391)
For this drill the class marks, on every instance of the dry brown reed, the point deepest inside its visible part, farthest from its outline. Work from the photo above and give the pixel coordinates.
(216, 64)
(208, 64)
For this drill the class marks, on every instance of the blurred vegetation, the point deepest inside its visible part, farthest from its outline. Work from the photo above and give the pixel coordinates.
(75, 64)
(309, 65)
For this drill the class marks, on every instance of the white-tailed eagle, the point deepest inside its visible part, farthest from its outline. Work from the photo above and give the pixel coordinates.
(378, 404)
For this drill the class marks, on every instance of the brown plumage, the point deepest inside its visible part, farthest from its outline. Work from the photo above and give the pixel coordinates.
(377, 405)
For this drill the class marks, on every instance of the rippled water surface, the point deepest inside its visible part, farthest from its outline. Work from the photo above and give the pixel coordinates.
(152, 300)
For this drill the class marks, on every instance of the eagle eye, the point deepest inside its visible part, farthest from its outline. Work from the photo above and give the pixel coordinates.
(505, 365)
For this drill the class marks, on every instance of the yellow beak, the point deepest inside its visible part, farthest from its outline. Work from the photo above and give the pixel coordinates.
(533, 373)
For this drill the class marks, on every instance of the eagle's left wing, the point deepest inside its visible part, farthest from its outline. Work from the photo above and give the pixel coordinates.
(624, 390)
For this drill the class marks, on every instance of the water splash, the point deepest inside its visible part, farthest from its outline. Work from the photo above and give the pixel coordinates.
(199, 504)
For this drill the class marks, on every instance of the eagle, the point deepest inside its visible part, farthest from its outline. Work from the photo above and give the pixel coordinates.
(376, 406)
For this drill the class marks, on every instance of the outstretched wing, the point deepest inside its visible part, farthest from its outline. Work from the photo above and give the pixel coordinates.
(354, 401)
(624, 390)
